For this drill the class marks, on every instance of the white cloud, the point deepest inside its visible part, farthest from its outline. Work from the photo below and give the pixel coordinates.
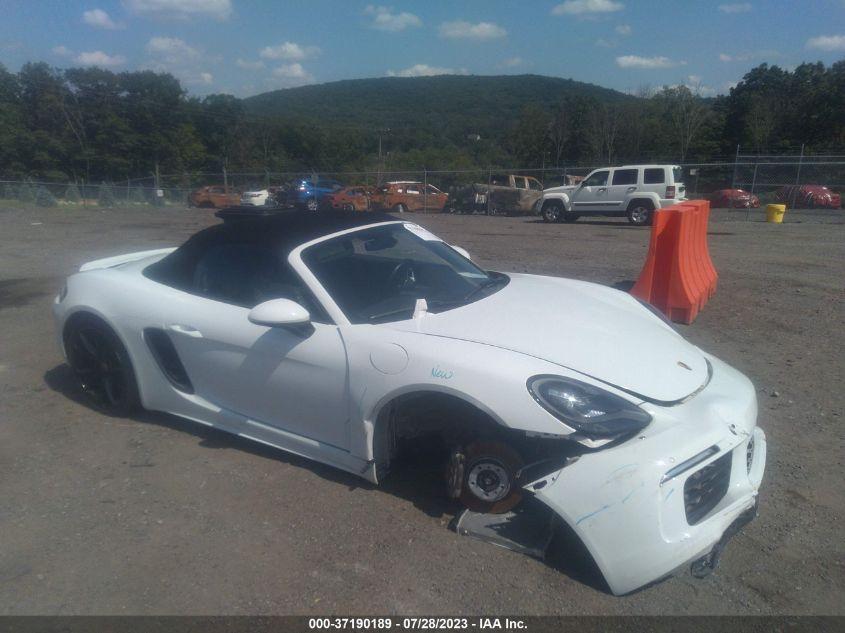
(384, 19)
(248, 65)
(171, 50)
(461, 29)
(744, 57)
(623, 29)
(100, 19)
(827, 43)
(738, 7)
(512, 62)
(290, 76)
(62, 51)
(635, 61)
(181, 9)
(99, 58)
(206, 78)
(584, 7)
(605, 43)
(289, 51)
(424, 70)
(294, 71)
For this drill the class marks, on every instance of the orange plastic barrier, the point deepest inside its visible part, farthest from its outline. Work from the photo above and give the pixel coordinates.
(678, 277)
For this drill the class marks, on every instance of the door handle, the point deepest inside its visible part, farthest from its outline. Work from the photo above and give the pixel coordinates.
(632, 188)
(600, 189)
(187, 330)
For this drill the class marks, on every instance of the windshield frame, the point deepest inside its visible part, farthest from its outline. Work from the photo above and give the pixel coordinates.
(297, 262)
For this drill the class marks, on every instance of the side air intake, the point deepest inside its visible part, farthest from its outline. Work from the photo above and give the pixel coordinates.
(168, 359)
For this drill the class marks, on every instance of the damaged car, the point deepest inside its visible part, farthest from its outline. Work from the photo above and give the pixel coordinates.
(345, 338)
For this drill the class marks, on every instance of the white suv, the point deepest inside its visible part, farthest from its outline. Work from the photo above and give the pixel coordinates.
(631, 190)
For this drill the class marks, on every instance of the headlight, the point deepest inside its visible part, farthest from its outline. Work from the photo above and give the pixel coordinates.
(590, 410)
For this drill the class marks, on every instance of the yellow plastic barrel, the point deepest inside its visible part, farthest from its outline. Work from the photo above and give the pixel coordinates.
(774, 213)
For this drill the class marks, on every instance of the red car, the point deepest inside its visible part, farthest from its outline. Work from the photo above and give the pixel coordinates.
(351, 198)
(808, 197)
(734, 199)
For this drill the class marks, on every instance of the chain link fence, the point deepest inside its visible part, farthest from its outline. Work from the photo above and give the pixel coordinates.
(770, 178)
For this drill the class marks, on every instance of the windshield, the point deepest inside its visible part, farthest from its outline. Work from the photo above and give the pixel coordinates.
(377, 275)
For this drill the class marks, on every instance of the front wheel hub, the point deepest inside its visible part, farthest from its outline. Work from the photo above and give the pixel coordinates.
(488, 481)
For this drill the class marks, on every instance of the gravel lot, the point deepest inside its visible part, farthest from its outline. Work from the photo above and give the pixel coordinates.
(157, 515)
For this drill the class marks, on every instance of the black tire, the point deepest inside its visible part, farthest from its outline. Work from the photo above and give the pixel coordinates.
(489, 482)
(399, 208)
(552, 211)
(569, 217)
(102, 366)
(640, 212)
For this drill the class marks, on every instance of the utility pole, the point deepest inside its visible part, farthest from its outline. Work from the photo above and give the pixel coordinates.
(380, 163)
(736, 160)
(798, 176)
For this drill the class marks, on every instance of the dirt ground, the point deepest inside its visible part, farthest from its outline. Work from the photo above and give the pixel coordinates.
(156, 515)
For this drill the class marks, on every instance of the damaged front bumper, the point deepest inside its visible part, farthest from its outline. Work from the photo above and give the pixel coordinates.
(663, 500)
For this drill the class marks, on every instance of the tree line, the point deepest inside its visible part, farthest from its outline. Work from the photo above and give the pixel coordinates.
(92, 125)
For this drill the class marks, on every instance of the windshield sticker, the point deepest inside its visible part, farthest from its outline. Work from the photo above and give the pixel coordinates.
(421, 232)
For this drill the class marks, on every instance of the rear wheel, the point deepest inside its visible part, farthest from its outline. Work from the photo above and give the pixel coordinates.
(639, 213)
(489, 481)
(102, 366)
(399, 208)
(311, 204)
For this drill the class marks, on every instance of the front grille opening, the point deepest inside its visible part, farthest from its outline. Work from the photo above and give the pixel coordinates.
(705, 488)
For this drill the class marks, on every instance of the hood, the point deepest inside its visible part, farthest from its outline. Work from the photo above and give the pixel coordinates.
(592, 329)
(561, 189)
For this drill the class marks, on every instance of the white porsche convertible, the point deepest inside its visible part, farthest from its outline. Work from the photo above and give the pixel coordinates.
(344, 339)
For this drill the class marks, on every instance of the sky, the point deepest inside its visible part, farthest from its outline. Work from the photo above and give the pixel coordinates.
(246, 47)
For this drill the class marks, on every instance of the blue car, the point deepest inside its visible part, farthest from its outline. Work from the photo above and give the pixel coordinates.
(307, 193)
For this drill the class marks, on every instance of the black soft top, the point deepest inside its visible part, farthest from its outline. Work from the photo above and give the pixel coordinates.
(280, 230)
(293, 227)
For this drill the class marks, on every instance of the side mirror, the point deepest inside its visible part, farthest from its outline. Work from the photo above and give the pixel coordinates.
(462, 251)
(279, 313)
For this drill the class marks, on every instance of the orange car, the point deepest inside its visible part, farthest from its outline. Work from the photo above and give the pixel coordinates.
(406, 195)
(214, 196)
(350, 198)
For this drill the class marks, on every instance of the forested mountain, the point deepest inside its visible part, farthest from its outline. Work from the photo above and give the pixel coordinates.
(92, 124)
(453, 104)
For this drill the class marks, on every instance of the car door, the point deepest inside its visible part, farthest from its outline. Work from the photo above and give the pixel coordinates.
(591, 195)
(414, 197)
(623, 183)
(434, 198)
(217, 196)
(293, 379)
(535, 192)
